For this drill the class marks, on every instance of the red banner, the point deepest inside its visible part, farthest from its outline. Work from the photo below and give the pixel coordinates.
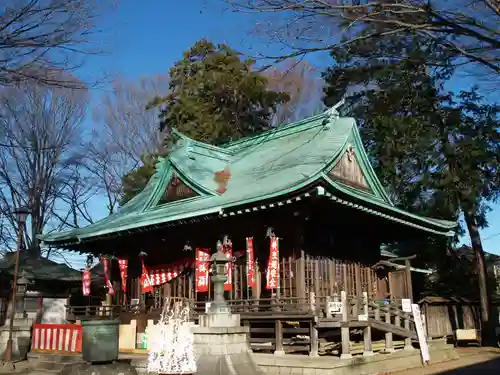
(145, 281)
(105, 262)
(228, 249)
(163, 274)
(273, 265)
(123, 264)
(202, 268)
(250, 263)
(86, 280)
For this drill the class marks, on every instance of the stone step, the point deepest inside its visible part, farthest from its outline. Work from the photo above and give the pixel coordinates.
(48, 372)
(50, 366)
(55, 357)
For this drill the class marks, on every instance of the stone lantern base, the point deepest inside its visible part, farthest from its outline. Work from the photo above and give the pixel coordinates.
(222, 346)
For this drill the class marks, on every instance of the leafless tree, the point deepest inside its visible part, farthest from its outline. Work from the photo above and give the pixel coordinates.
(40, 131)
(302, 82)
(124, 132)
(41, 38)
(467, 29)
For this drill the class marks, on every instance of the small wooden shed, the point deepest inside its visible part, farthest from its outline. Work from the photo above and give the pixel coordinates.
(445, 315)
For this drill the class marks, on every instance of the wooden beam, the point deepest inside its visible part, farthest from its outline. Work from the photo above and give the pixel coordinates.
(313, 334)
(278, 348)
(408, 344)
(411, 257)
(344, 331)
(409, 286)
(388, 335)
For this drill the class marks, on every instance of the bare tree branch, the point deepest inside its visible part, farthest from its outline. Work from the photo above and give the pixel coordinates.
(467, 30)
(125, 132)
(302, 82)
(43, 127)
(41, 38)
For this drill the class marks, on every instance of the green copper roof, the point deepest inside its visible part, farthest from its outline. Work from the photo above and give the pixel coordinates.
(272, 164)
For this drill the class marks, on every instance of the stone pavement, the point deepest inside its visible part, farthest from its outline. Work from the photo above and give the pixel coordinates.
(472, 361)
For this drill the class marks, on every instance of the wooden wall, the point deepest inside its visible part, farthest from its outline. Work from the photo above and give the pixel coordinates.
(443, 318)
(300, 277)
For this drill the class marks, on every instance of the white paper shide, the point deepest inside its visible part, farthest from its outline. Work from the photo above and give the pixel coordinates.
(171, 344)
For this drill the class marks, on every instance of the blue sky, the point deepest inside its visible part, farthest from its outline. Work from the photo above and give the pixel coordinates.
(146, 38)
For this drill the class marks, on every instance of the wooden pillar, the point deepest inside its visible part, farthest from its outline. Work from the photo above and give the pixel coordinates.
(391, 286)
(344, 330)
(388, 335)
(301, 279)
(409, 286)
(371, 292)
(408, 345)
(327, 310)
(314, 342)
(278, 348)
(359, 287)
(246, 323)
(367, 340)
(258, 282)
(367, 331)
(316, 278)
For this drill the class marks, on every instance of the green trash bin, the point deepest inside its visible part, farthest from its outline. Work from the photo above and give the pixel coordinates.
(100, 340)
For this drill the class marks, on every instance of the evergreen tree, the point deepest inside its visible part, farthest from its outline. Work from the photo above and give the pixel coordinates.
(438, 152)
(215, 96)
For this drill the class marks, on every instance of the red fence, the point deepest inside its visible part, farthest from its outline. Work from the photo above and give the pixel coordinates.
(58, 338)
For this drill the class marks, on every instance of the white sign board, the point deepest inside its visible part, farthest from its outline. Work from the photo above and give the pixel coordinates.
(424, 349)
(406, 305)
(207, 307)
(363, 318)
(335, 307)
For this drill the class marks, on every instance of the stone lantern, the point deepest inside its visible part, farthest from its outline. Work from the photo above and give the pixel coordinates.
(21, 289)
(219, 260)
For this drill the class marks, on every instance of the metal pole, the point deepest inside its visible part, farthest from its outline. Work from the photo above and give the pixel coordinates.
(8, 351)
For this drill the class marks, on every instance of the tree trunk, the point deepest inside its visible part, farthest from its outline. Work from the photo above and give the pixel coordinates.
(477, 247)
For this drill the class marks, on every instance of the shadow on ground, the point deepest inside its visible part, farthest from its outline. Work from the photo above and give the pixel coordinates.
(490, 367)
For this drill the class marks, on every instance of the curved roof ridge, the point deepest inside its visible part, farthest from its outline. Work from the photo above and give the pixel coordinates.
(190, 141)
(274, 131)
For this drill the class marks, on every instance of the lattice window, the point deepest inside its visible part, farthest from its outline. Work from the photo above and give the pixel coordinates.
(176, 190)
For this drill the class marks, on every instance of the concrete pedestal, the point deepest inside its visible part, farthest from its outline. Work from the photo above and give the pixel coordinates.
(222, 346)
(115, 368)
(20, 341)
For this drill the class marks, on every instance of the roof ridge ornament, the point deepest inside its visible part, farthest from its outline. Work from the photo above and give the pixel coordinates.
(332, 112)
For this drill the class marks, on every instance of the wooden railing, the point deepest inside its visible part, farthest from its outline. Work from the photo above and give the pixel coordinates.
(293, 324)
(74, 313)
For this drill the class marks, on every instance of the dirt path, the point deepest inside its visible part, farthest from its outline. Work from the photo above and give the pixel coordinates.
(471, 361)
